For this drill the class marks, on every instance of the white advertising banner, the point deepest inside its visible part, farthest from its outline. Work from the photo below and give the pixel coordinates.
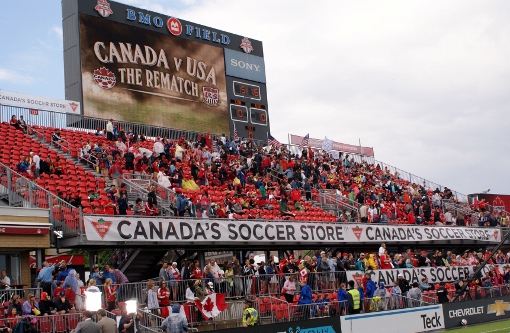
(433, 274)
(151, 229)
(39, 103)
(420, 319)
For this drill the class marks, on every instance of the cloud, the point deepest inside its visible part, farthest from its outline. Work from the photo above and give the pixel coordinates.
(56, 30)
(10, 76)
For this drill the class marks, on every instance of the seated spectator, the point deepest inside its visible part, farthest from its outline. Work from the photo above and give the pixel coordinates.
(31, 306)
(46, 305)
(58, 166)
(62, 305)
(22, 125)
(56, 139)
(14, 122)
(16, 303)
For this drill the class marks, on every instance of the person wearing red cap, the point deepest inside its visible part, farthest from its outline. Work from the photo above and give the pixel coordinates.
(46, 305)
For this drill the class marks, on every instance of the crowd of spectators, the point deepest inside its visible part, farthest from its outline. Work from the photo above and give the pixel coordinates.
(217, 176)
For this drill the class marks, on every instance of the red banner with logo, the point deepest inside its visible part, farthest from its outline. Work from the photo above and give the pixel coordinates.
(499, 202)
(71, 260)
(337, 146)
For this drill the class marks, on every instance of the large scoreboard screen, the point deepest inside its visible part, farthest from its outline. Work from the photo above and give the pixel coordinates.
(135, 65)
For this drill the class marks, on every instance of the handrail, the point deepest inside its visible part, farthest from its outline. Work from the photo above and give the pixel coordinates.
(22, 187)
(328, 197)
(144, 193)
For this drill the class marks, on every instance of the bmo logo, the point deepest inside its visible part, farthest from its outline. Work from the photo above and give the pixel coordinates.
(174, 26)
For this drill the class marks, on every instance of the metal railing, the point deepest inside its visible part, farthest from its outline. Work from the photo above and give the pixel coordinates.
(90, 124)
(20, 191)
(399, 173)
(7, 294)
(329, 199)
(138, 184)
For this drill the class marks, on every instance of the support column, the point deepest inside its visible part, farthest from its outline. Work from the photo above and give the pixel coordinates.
(92, 259)
(201, 259)
(281, 254)
(39, 257)
(267, 253)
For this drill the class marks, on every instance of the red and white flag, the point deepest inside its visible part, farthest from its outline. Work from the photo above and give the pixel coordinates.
(212, 305)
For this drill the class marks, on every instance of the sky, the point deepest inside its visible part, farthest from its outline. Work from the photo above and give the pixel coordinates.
(425, 83)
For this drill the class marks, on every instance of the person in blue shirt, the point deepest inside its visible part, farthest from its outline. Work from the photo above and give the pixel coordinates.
(341, 296)
(106, 274)
(305, 299)
(63, 273)
(370, 286)
(96, 275)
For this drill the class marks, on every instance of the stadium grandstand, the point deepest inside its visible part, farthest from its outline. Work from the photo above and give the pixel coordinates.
(222, 231)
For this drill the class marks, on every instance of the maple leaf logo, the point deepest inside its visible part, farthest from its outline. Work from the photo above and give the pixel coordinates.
(73, 106)
(104, 78)
(358, 277)
(357, 232)
(209, 305)
(498, 204)
(102, 227)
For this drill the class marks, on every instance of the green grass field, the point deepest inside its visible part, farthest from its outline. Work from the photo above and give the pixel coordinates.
(494, 327)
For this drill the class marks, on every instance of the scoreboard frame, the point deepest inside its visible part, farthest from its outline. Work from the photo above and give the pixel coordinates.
(243, 59)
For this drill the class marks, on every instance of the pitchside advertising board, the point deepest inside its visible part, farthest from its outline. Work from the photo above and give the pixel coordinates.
(421, 319)
(136, 65)
(319, 325)
(476, 311)
(147, 229)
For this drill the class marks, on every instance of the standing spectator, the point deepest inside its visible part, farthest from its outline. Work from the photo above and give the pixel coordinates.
(36, 163)
(107, 325)
(175, 323)
(152, 298)
(120, 279)
(109, 130)
(414, 295)
(175, 277)
(5, 282)
(360, 264)
(442, 294)
(115, 173)
(250, 315)
(353, 299)
(403, 284)
(110, 293)
(341, 296)
(163, 299)
(163, 275)
(45, 276)
(396, 295)
(305, 298)
(126, 323)
(87, 325)
(289, 288)
(72, 282)
(370, 286)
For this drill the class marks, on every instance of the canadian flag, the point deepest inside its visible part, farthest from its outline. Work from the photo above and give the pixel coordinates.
(303, 274)
(212, 305)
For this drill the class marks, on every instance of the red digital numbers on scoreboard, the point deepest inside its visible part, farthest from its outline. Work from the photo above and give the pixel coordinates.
(239, 113)
(258, 116)
(246, 90)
